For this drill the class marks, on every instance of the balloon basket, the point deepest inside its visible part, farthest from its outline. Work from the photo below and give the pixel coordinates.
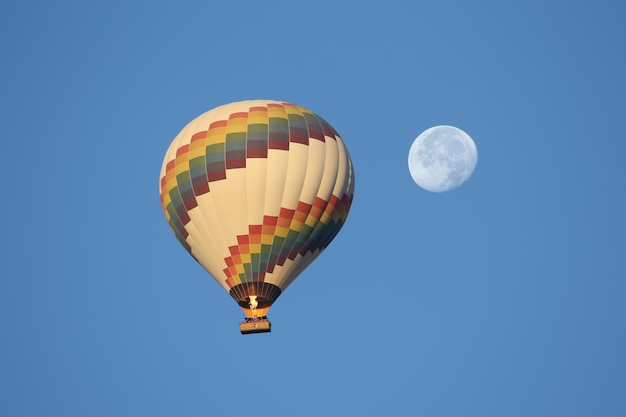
(255, 325)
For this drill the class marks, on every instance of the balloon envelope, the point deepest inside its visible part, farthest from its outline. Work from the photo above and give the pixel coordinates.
(255, 191)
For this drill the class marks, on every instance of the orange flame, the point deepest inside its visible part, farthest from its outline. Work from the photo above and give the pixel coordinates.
(253, 302)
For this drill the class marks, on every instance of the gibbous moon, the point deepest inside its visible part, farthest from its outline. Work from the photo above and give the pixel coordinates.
(442, 158)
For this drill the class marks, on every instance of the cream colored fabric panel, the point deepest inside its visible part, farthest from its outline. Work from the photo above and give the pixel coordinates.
(207, 237)
(231, 208)
(256, 178)
(344, 170)
(296, 174)
(329, 176)
(277, 162)
(316, 161)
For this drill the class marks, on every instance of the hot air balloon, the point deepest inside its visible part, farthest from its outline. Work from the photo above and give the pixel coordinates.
(255, 191)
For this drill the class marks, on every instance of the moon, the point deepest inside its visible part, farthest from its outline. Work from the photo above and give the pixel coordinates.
(442, 158)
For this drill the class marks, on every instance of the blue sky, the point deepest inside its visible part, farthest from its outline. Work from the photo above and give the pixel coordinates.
(504, 297)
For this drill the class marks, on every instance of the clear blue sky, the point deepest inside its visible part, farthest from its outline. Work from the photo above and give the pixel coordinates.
(504, 297)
